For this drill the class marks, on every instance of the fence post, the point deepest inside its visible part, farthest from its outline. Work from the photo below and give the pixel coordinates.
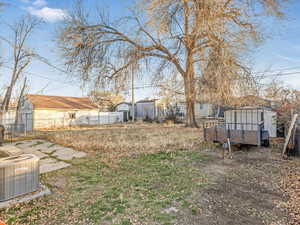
(25, 128)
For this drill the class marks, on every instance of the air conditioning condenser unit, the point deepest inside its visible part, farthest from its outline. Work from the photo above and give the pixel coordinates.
(18, 175)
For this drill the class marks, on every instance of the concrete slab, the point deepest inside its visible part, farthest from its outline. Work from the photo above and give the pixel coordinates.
(35, 144)
(45, 150)
(64, 153)
(47, 161)
(11, 150)
(49, 165)
(35, 152)
(65, 157)
(26, 198)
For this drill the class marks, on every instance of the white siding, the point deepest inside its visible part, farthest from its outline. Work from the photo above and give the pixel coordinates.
(201, 110)
(270, 123)
(123, 107)
(146, 109)
(181, 108)
(8, 117)
(51, 118)
(59, 118)
(26, 106)
(26, 114)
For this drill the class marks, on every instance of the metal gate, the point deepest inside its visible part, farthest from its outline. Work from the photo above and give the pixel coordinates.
(27, 120)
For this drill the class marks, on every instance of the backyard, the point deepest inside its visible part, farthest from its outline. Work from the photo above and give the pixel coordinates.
(160, 174)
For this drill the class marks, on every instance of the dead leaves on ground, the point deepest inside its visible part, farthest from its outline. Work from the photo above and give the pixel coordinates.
(292, 188)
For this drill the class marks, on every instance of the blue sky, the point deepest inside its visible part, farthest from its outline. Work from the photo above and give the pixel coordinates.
(280, 50)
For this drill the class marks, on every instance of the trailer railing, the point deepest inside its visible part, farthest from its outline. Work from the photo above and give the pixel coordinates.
(244, 126)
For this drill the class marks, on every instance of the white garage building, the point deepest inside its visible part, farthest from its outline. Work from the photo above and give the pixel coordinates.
(43, 111)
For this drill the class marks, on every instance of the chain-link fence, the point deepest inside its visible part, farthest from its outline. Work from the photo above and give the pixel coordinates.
(27, 124)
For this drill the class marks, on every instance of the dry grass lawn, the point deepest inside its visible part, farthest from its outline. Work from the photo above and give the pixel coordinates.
(118, 141)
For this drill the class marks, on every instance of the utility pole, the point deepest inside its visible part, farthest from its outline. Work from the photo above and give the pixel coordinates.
(132, 96)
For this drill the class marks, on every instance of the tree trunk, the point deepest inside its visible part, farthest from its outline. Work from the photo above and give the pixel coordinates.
(8, 93)
(189, 86)
(19, 102)
(6, 100)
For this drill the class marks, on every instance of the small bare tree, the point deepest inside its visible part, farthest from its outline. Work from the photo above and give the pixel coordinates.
(106, 100)
(163, 35)
(285, 102)
(21, 55)
(171, 92)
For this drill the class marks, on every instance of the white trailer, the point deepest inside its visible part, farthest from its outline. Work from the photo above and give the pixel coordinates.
(247, 118)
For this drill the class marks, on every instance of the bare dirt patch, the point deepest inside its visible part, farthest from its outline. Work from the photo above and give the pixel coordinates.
(245, 190)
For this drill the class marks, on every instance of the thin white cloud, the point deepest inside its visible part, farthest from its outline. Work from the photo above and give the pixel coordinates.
(39, 3)
(48, 14)
(287, 58)
(25, 1)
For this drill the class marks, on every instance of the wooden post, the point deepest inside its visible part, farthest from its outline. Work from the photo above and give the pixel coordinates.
(132, 97)
(287, 139)
(229, 148)
(25, 130)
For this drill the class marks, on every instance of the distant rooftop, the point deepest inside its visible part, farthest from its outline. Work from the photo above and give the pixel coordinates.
(60, 102)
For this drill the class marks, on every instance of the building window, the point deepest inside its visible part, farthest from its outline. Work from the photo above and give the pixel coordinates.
(72, 115)
(201, 106)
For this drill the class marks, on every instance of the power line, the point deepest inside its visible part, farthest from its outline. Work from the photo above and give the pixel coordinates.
(279, 74)
(157, 86)
(43, 77)
(278, 70)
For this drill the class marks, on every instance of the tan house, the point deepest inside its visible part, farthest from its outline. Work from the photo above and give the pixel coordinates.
(44, 111)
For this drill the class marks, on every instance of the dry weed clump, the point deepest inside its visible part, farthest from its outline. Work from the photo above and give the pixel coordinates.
(130, 141)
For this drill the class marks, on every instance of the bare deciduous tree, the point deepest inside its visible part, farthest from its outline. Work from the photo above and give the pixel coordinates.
(21, 55)
(164, 35)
